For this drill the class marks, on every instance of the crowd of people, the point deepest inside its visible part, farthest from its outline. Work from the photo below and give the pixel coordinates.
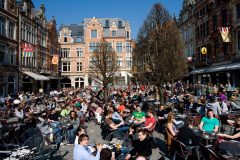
(131, 113)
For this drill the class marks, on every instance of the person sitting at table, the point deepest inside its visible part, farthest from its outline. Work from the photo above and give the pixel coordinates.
(19, 113)
(209, 123)
(138, 117)
(236, 133)
(141, 146)
(112, 125)
(53, 119)
(74, 124)
(82, 151)
(150, 121)
(29, 117)
(186, 134)
(116, 117)
(160, 118)
(170, 125)
(80, 131)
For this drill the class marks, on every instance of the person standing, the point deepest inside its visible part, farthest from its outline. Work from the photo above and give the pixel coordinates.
(229, 89)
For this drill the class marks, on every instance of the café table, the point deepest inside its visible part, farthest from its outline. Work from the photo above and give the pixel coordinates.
(207, 136)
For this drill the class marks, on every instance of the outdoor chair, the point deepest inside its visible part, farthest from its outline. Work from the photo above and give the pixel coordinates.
(108, 133)
(181, 150)
(207, 153)
(51, 152)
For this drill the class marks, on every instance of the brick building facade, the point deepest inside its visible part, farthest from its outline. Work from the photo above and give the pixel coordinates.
(84, 38)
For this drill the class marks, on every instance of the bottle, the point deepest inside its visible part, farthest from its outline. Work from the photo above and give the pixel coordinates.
(190, 141)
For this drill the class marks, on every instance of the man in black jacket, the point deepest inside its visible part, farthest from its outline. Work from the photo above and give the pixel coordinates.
(186, 134)
(141, 146)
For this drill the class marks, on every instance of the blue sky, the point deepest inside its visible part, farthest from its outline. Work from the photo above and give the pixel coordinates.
(134, 11)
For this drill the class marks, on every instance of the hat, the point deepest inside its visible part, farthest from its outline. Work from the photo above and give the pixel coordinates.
(16, 101)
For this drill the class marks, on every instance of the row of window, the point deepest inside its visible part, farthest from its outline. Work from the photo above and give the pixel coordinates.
(7, 56)
(187, 34)
(10, 86)
(189, 50)
(107, 23)
(202, 30)
(94, 34)
(66, 66)
(119, 47)
(7, 28)
(65, 52)
(29, 33)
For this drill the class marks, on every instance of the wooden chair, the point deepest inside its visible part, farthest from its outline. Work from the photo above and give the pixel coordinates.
(168, 138)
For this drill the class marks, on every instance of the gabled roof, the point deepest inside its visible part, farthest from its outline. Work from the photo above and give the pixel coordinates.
(77, 31)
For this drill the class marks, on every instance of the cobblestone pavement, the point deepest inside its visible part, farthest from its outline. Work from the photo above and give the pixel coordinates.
(94, 132)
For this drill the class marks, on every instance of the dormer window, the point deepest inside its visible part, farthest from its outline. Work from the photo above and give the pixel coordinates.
(119, 23)
(65, 39)
(78, 39)
(107, 23)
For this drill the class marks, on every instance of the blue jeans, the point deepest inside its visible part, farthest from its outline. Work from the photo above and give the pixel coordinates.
(57, 131)
(71, 134)
(123, 129)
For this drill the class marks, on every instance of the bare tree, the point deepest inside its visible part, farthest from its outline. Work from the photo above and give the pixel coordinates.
(158, 55)
(103, 64)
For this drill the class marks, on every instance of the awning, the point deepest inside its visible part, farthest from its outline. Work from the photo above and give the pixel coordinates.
(233, 66)
(217, 68)
(53, 77)
(37, 77)
(198, 71)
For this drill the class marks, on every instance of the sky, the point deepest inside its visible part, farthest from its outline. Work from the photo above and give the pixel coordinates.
(134, 11)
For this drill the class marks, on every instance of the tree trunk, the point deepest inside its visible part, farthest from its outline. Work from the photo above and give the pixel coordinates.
(160, 93)
(105, 92)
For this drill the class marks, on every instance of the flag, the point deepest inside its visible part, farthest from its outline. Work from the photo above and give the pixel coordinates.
(55, 59)
(27, 50)
(225, 33)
